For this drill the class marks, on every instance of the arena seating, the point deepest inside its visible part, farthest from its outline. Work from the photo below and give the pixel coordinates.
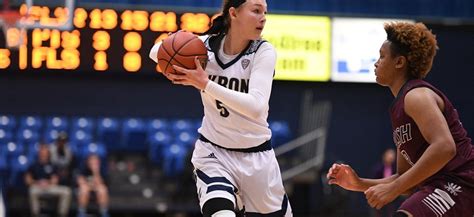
(167, 142)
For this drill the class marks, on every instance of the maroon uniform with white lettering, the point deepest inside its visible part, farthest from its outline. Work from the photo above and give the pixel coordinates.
(450, 192)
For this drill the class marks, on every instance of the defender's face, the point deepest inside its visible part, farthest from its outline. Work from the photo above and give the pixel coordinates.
(385, 67)
(250, 18)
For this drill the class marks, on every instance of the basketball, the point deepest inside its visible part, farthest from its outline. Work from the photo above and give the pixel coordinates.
(180, 49)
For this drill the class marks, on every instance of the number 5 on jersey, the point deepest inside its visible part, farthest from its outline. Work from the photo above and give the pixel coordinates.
(220, 106)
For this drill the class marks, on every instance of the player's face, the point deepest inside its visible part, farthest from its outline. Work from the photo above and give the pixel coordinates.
(385, 67)
(250, 18)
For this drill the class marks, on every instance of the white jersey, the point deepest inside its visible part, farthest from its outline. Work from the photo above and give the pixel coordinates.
(236, 101)
(235, 117)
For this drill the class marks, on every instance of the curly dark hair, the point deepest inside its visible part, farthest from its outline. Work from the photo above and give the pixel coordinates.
(414, 41)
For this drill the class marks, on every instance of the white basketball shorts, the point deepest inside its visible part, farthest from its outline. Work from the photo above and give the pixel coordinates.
(250, 180)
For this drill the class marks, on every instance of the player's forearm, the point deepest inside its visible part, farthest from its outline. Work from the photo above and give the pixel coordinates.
(434, 159)
(247, 104)
(254, 102)
(365, 184)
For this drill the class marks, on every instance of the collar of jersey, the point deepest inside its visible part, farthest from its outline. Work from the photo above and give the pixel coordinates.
(214, 43)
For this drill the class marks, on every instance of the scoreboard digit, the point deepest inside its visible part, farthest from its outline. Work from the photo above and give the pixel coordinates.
(100, 40)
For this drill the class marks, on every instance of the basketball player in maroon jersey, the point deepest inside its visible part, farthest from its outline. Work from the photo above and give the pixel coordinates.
(435, 157)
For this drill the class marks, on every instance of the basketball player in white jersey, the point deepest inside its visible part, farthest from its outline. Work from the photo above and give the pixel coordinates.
(235, 166)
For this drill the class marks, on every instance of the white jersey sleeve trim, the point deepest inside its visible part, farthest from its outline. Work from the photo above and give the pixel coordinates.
(154, 52)
(255, 102)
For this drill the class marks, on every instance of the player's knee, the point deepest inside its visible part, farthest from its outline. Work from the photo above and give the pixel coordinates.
(400, 214)
(213, 208)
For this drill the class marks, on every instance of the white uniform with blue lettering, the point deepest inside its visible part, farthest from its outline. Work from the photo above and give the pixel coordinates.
(235, 117)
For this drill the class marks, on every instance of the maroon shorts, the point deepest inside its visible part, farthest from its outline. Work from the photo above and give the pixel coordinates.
(441, 197)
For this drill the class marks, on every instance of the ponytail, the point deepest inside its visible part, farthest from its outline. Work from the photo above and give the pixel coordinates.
(220, 24)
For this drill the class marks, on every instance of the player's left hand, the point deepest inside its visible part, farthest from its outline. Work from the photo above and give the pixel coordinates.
(380, 195)
(197, 78)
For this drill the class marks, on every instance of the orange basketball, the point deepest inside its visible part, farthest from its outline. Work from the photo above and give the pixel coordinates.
(179, 49)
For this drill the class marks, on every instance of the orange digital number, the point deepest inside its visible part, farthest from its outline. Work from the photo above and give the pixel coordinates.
(163, 22)
(4, 58)
(101, 40)
(109, 19)
(101, 43)
(96, 19)
(80, 17)
(132, 42)
(132, 61)
(197, 23)
(140, 19)
(134, 20)
(127, 20)
(100, 61)
(106, 19)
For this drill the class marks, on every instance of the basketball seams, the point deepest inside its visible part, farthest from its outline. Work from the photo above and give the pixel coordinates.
(168, 61)
(187, 43)
(171, 56)
(174, 49)
(182, 46)
(162, 46)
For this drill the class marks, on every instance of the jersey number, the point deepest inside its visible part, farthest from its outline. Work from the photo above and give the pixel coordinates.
(224, 112)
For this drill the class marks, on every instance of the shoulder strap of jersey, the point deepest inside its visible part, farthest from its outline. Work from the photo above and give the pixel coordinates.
(254, 45)
(214, 43)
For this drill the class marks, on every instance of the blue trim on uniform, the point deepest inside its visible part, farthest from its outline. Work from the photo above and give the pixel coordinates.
(279, 213)
(209, 180)
(214, 43)
(220, 188)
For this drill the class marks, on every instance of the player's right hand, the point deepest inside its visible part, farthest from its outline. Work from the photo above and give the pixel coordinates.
(344, 176)
(197, 78)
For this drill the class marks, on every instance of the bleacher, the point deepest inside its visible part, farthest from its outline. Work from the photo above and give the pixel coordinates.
(143, 157)
(162, 139)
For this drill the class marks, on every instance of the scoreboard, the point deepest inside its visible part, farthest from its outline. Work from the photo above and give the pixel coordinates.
(103, 41)
(106, 41)
(115, 42)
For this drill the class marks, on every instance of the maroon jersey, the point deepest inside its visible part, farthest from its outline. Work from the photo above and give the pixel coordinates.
(412, 145)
